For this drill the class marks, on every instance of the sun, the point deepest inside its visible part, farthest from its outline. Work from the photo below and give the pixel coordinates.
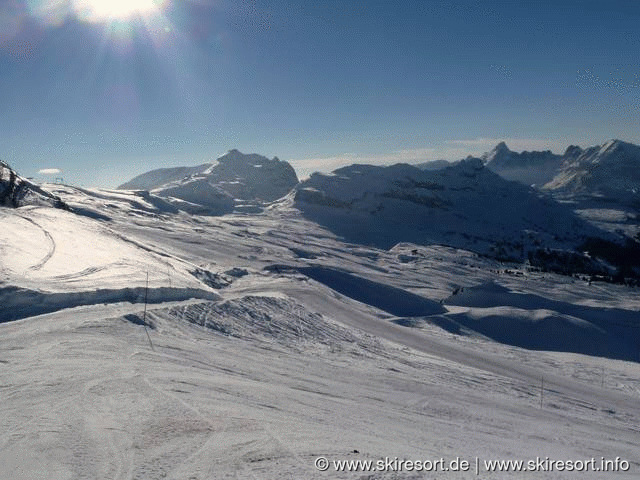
(100, 10)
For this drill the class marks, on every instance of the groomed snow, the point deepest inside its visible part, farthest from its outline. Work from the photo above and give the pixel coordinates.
(288, 344)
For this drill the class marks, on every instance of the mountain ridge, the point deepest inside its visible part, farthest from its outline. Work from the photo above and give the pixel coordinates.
(16, 191)
(219, 187)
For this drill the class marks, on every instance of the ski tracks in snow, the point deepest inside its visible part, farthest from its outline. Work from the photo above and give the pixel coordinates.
(229, 424)
(50, 240)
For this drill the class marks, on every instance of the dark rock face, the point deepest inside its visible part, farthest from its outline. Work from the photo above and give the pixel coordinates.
(16, 191)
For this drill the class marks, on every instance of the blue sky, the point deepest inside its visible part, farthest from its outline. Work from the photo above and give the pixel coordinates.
(319, 84)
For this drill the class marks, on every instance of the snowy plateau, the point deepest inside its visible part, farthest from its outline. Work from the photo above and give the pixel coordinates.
(226, 321)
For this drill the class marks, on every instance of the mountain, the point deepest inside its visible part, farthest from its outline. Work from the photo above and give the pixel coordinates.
(465, 206)
(527, 167)
(434, 165)
(161, 176)
(600, 183)
(197, 194)
(16, 191)
(235, 176)
(611, 170)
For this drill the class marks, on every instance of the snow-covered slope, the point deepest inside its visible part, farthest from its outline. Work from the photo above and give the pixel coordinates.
(155, 178)
(601, 183)
(196, 194)
(16, 191)
(272, 345)
(214, 187)
(611, 170)
(465, 205)
(57, 258)
(253, 176)
(526, 167)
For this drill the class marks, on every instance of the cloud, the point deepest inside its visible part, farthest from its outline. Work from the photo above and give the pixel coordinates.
(49, 171)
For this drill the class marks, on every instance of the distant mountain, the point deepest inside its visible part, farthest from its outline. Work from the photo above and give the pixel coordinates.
(611, 170)
(527, 167)
(465, 205)
(434, 165)
(161, 176)
(16, 191)
(235, 176)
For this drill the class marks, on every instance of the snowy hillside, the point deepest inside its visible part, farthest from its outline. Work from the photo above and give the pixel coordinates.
(601, 184)
(156, 178)
(465, 206)
(269, 344)
(611, 170)
(58, 258)
(233, 181)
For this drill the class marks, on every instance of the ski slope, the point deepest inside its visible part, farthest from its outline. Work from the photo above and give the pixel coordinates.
(272, 342)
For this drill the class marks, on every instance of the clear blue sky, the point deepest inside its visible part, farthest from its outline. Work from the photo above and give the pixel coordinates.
(315, 83)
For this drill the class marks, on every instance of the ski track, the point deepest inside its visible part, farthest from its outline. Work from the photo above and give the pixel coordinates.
(416, 340)
(50, 240)
(279, 367)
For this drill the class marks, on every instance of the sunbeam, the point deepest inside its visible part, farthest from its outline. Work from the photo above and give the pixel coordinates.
(99, 10)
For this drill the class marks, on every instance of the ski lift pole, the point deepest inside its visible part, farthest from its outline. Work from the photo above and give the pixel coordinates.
(144, 315)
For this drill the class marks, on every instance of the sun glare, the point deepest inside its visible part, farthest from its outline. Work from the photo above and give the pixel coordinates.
(98, 10)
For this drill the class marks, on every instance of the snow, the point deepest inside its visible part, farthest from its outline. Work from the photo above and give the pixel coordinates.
(465, 205)
(273, 341)
(217, 188)
(526, 167)
(16, 191)
(53, 259)
(161, 176)
(610, 170)
(197, 191)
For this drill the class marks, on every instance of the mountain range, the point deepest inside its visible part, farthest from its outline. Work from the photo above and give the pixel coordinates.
(610, 171)
(505, 204)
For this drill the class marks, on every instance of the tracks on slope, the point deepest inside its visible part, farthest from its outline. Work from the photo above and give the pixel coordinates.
(344, 313)
(52, 244)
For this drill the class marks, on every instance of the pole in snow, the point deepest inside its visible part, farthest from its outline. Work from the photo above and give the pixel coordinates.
(144, 315)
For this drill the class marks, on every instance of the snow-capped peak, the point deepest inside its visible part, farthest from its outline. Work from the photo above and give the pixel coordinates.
(235, 175)
(497, 154)
(611, 169)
